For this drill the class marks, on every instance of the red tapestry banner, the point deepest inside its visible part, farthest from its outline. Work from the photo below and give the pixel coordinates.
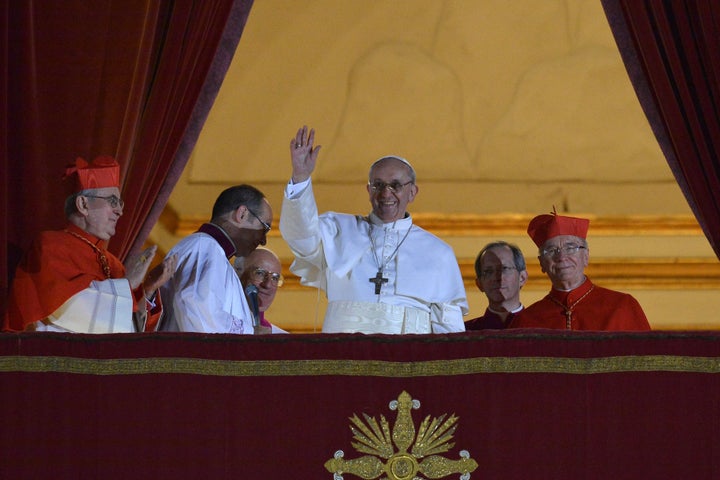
(499, 405)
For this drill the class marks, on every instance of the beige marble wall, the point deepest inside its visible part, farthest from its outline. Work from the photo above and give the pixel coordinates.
(505, 107)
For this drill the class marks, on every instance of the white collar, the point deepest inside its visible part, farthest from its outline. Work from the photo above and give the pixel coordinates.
(511, 311)
(403, 223)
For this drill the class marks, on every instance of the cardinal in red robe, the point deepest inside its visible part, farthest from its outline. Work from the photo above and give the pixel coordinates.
(574, 302)
(69, 281)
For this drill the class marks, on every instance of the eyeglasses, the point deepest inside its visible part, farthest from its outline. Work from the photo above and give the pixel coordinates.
(261, 275)
(113, 200)
(395, 187)
(265, 225)
(490, 272)
(570, 249)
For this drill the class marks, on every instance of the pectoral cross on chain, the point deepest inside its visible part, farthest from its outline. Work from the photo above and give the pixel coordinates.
(568, 311)
(378, 280)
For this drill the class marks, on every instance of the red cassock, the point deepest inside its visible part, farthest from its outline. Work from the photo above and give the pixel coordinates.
(57, 266)
(591, 308)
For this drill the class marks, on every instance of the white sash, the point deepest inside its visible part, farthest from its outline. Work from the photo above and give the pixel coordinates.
(364, 317)
(103, 307)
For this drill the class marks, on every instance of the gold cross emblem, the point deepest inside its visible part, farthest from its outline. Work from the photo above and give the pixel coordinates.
(416, 454)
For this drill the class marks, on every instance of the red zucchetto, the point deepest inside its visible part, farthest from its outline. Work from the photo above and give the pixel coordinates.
(102, 172)
(544, 227)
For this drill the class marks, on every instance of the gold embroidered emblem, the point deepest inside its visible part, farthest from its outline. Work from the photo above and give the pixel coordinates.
(376, 440)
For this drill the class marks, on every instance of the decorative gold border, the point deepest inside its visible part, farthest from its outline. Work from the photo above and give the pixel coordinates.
(365, 368)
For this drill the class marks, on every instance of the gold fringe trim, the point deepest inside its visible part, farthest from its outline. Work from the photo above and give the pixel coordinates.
(360, 368)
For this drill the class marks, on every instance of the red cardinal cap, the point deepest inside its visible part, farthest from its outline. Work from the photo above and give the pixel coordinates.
(544, 227)
(102, 172)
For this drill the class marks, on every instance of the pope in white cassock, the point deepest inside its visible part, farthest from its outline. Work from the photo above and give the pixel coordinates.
(381, 273)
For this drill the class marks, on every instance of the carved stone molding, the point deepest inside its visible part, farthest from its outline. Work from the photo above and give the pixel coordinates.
(618, 273)
(500, 224)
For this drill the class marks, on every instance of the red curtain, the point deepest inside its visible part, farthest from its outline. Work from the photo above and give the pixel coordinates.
(4, 154)
(130, 78)
(670, 50)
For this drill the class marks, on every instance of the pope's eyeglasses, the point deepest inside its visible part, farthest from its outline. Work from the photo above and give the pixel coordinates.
(570, 249)
(261, 275)
(394, 187)
(113, 200)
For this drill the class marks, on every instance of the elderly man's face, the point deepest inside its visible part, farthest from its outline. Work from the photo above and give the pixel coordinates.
(563, 259)
(101, 216)
(260, 268)
(387, 204)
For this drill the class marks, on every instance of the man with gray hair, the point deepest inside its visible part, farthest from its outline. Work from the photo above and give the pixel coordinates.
(68, 281)
(574, 302)
(381, 273)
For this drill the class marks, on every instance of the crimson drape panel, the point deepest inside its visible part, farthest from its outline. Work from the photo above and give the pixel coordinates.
(4, 153)
(671, 52)
(130, 78)
(198, 41)
(68, 74)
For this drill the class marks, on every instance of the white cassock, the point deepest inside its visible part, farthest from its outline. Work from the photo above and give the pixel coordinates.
(422, 289)
(204, 294)
(104, 307)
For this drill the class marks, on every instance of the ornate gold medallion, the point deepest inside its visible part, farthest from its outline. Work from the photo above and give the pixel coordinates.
(375, 439)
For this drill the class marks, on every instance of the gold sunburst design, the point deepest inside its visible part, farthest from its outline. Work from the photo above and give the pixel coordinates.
(376, 440)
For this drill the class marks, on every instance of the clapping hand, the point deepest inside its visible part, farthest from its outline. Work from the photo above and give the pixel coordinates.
(136, 267)
(159, 275)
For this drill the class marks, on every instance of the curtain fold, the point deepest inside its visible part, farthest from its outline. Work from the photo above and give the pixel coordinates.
(130, 78)
(200, 40)
(670, 50)
(5, 254)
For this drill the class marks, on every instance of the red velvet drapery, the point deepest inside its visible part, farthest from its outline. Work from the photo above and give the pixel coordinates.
(670, 49)
(131, 78)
